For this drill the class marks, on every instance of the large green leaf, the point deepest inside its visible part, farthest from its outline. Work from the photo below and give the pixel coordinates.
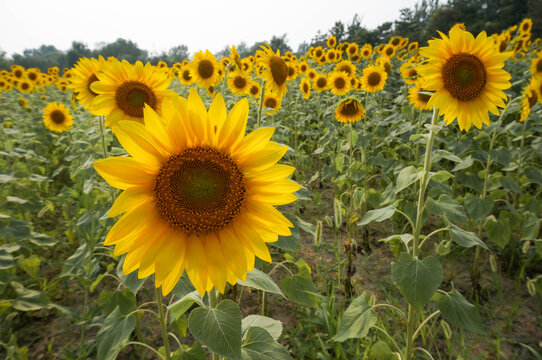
(417, 279)
(498, 231)
(357, 320)
(448, 207)
(408, 176)
(196, 352)
(131, 281)
(259, 280)
(378, 215)
(273, 327)
(260, 345)
(29, 300)
(459, 312)
(465, 238)
(182, 305)
(219, 329)
(124, 300)
(531, 226)
(114, 334)
(478, 208)
(300, 288)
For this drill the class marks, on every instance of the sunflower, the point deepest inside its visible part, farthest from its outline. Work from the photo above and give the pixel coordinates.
(272, 101)
(384, 63)
(331, 41)
(536, 65)
(57, 117)
(25, 86)
(349, 111)
(529, 100)
(332, 56)
(389, 51)
(409, 72)
(312, 74)
(204, 69)
(413, 46)
(23, 102)
(373, 79)
(339, 82)
(292, 70)
(84, 75)
(367, 51)
(418, 99)
(321, 82)
(62, 84)
(18, 71)
(525, 26)
(347, 67)
(198, 195)
(211, 91)
(238, 83)
(275, 72)
(537, 86)
(184, 76)
(404, 42)
(395, 41)
(352, 50)
(305, 87)
(161, 65)
(123, 90)
(33, 75)
(318, 53)
(254, 89)
(303, 67)
(467, 77)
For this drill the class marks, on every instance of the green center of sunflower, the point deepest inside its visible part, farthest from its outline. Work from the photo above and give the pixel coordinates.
(206, 69)
(57, 116)
(200, 190)
(464, 76)
(374, 78)
(349, 108)
(132, 96)
(279, 69)
(92, 79)
(240, 82)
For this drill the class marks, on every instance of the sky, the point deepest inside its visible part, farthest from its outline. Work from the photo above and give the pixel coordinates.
(157, 26)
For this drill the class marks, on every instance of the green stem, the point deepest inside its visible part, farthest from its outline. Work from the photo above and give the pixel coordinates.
(163, 325)
(213, 302)
(261, 105)
(102, 130)
(412, 313)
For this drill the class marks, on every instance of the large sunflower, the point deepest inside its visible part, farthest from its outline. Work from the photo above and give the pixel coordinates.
(198, 195)
(373, 79)
(123, 90)
(204, 69)
(275, 70)
(84, 74)
(339, 82)
(57, 117)
(467, 77)
(349, 111)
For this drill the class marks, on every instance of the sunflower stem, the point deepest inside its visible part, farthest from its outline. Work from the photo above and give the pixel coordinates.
(102, 130)
(412, 313)
(261, 105)
(163, 324)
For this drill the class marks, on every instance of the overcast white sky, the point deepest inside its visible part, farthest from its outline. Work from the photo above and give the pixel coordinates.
(159, 25)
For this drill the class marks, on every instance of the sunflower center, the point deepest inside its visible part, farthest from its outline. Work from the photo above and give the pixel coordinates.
(240, 82)
(254, 90)
(18, 73)
(200, 190)
(340, 83)
(349, 108)
(464, 76)
(412, 73)
(539, 66)
(32, 76)
(532, 99)
(270, 103)
(374, 79)
(279, 70)
(305, 88)
(92, 79)
(132, 96)
(389, 51)
(25, 86)
(186, 75)
(321, 82)
(205, 69)
(423, 97)
(57, 116)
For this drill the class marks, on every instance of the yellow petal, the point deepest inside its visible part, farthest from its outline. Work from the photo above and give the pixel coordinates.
(124, 172)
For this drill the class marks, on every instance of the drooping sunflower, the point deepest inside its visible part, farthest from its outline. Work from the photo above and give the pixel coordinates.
(305, 87)
(321, 82)
(467, 76)
(536, 65)
(84, 74)
(198, 195)
(417, 96)
(123, 90)
(373, 79)
(331, 42)
(204, 69)
(275, 70)
(238, 82)
(57, 117)
(349, 111)
(339, 82)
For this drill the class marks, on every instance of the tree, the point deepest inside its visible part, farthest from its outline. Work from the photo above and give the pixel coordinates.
(78, 50)
(123, 50)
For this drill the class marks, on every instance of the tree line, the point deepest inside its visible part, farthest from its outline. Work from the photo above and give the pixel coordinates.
(418, 24)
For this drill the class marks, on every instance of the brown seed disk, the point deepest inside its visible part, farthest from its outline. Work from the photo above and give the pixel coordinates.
(464, 76)
(205, 69)
(240, 82)
(321, 82)
(374, 79)
(132, 96)
(270, 103)
(57, 116)
(340, 83)
(279, 69)
(349, 108)
(199, 190)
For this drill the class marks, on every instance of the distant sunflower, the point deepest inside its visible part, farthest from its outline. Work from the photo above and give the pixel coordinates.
(349, 111)
(18, 71)
(33, 75)
(409, 72)
(536, 66)
(352, 50)
(184, 76)
(23, 102)
(254, 89)
(305, 87)
(275, 71)
(367, 51)
(84, 75)
(161, 65)
(198, 195)
(238, 83)
(57, 117)
(321, 83)
(123, 90)
(318, 53)
(25, 86)
(389, 51)
(537, 87)
(312, 74)
(373, 79)
(347, 67)
(384, 63)
(339, 83)
(272, 101)
(332, 56)
(292, 70)
(417, 98)
(395, 41)
(413, 46)
(467, 77)
(204, 69)
(303, 67)
(331, 42)
(529, 100)
(525, 26)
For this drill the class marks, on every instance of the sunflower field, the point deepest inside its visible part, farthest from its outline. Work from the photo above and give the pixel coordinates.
(352, 202)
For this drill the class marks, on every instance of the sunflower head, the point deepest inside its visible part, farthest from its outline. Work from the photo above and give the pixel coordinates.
(413, 46)
(23, 102)
(272, 102)
(467, 77)
(275, 71)
(305, 87)
(536, 66)
(373, 79)
(198, 195)
(184, 76)
(367, 51)
(339, 82)
(84, 75)
(57, 117)
(331, 42)
(530, 98)
(525, 26)
(349, 111)
(204, 69)
(238, 82)
(418, 96)
(321, 82)
(352, 50)
(254, 89)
